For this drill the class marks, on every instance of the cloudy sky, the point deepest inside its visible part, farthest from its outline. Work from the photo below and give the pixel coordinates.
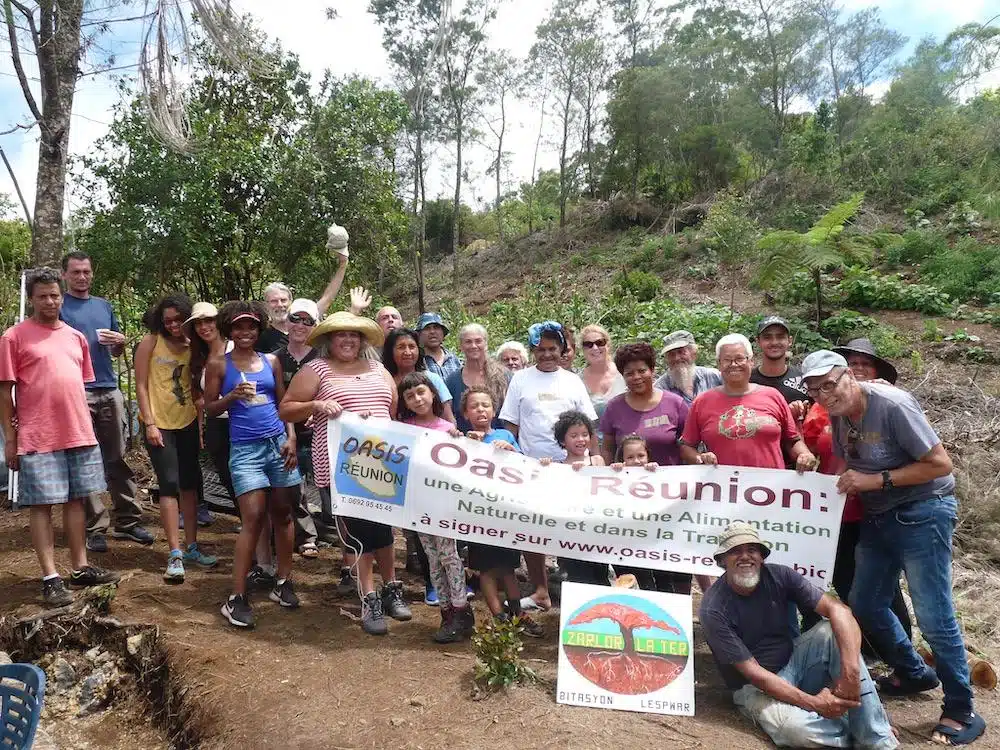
(352, 44)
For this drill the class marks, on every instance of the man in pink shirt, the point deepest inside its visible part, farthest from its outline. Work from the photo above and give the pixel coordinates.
(53, 446)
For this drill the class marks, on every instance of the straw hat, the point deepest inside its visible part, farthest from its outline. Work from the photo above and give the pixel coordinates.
(345, 321)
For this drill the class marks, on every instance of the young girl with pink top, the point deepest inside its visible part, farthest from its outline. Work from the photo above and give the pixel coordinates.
(420, 406)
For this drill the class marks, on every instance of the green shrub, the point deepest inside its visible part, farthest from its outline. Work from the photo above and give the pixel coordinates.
(730, 230)
(498, 648)
(641, 285)
(968, 271)
(864, 287)
(800, 288)
(917, 245)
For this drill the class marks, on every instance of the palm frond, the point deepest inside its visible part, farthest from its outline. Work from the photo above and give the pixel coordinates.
(821, 256)
(783, 260)
(839, 215)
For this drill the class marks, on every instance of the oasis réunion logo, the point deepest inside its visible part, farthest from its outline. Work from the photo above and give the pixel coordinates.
(373, 466)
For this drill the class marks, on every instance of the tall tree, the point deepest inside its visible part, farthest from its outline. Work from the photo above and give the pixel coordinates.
(561, 50)
(637, 23)
(501, 77)
(462, 47)
(593, 81)
(868, 46)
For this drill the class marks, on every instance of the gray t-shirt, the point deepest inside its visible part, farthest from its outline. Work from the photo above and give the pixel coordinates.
(738, 627)
(893, 432)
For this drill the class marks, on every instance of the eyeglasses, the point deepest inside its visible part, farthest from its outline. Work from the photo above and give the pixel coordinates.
(600, 343)
(302, 320)
(826, 388)
(742, 360)
(853, 438)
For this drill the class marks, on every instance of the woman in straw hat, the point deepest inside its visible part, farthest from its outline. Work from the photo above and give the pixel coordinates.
(340, 380)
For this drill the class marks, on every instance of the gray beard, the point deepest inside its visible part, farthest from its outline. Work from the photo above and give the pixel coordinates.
(278, 319)
(749, 581)
(682, 376)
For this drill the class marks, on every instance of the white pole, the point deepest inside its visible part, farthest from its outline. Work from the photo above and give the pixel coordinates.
(11, 474)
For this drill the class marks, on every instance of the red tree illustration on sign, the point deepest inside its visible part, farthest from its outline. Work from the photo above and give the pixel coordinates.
(625, 672)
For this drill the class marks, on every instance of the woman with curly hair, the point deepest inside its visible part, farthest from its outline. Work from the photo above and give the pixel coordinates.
(262, 461)
(170, 427)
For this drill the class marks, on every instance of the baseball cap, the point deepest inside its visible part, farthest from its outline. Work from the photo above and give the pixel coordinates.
(772, 320)
(302, 305)
(677, 340)
(202, 311)
(821, 362)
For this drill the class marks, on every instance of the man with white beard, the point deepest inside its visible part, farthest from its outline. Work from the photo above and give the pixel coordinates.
(278, 298)
(683, 376)
(813, 691)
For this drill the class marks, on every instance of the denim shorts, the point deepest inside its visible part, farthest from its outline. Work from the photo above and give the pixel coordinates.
(54, 478)
(258, 464)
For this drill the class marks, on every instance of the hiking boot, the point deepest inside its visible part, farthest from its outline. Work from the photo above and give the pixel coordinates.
(348, 584)
(91, 575)
(467, 620)
(197, 557)
(55, 593)
(284, 594)
(175, 567)
(393, 603)
(205, 517)
(97, 543)
(136, 534)
(372, 619)
(237, 610)
(451, 626)
(260, 579)
(431, 596)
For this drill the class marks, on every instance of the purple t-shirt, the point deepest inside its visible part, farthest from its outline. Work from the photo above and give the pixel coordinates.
(660, 426)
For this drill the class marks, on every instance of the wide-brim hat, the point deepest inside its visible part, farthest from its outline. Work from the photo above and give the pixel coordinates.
(345, 321)
(202, 311)
(429, 319)
(738, 533)
(883, 367)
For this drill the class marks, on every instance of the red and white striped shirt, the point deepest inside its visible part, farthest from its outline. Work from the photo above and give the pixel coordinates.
(368, 392)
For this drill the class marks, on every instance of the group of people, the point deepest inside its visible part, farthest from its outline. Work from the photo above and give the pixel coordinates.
(255, 384)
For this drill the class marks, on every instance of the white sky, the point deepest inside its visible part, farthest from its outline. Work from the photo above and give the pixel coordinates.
(352, 44)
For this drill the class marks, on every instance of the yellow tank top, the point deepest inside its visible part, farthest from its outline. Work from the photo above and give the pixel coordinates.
(169, 386)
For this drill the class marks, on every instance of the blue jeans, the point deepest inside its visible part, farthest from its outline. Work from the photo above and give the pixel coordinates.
(814, 665)
(914, 538)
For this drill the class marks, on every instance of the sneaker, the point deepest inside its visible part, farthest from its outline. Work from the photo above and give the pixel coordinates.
(284, 594)
(470, 593)
(199, 558)
(530, 627)
(97, 543)
(348, 584)
(55, 593)
(136, 534)
(372, 619)
(237, 610)
(91, 575)
(392, 601)
(205, 517)
(260, 579)
(431, 597)
(175, 568)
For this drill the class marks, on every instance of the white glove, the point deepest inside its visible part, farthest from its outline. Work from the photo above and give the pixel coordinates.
(336, 239)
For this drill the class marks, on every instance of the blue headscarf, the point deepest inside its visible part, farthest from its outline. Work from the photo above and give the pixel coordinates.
(536, 330)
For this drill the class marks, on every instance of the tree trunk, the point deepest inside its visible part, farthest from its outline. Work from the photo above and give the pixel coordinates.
(563, 181)
(58, 52)
(534, 167)
(500, 135)
(417, 218)
(818, 281)
(457, 212)
(629, 641)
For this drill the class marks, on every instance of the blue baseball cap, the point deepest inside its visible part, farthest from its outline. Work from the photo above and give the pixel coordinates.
(428, 319)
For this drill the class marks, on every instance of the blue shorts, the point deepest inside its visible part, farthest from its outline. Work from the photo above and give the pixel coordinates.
(57, 477)
(258, 464)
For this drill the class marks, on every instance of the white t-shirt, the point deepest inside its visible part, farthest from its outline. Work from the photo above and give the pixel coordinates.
(534, 402)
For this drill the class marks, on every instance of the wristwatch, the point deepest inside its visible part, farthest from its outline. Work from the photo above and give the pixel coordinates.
(887, 481)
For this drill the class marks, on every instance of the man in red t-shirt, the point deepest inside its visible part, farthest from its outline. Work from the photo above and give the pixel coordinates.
(741, 423)
(53, 447)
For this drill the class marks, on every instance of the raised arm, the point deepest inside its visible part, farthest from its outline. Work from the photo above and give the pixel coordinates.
(336, 281)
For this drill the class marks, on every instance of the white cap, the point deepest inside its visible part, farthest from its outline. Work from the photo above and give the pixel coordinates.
(307, 306)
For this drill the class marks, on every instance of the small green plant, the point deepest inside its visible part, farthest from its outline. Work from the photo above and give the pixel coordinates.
(863, 287)
(702, 271)
(932, 331)
(498, 648)
(641, 285)
(916, 362)
(962, 335)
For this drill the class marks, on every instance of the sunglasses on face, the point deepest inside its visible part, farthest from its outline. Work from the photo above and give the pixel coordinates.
(302, 320)
(600, 343)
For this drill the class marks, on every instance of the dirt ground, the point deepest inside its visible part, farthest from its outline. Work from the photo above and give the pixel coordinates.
(312, 679)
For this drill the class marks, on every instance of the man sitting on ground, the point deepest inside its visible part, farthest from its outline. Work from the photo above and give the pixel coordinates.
(814, 691)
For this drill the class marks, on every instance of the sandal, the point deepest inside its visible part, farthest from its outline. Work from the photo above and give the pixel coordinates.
(309, 551)
(896, 685)
(530, 605)
(973, 725)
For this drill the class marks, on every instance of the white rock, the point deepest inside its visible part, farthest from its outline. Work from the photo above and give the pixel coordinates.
(133, 643)
(63, 674)
(5, 658)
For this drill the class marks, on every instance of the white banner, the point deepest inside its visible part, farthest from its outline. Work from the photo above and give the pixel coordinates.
(626, 650)
(669, 519)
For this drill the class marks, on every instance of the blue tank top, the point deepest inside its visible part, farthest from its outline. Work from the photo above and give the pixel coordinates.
(258, 418)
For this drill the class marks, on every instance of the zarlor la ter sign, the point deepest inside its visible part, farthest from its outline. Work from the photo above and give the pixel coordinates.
(624, 649)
